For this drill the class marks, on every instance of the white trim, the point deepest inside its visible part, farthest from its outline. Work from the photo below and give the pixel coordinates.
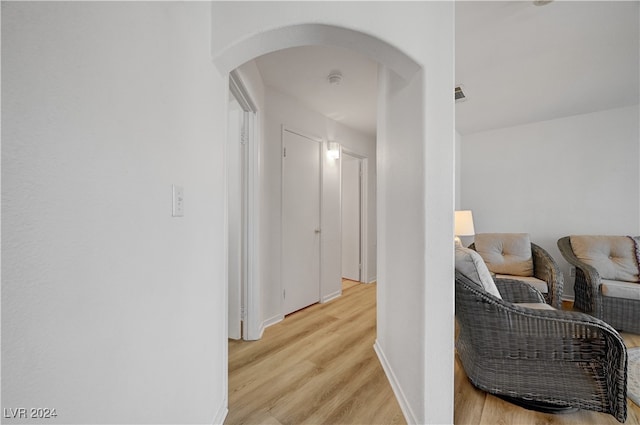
(221, 414)
(233, 172)
(254, 277)
(251, 246)
(374, 279)
(240, 92)
(301, 133)
(395, 386)
(330, 297)
(222, 410)
(270, 322)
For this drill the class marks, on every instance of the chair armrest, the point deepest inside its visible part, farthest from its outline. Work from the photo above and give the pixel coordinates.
(587, 277)
(569, 336)
(564, 245)
(507, 322)
(517, 291)
(550, 335)
(545, 268)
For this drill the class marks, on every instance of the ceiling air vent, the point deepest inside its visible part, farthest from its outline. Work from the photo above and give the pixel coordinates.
(459, 94)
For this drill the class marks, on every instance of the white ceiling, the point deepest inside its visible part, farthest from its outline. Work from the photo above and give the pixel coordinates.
(302, 72)
(521, 63)
(518, 63)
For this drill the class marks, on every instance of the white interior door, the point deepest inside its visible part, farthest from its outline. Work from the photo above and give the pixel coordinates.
(300, 221)
(351, 214)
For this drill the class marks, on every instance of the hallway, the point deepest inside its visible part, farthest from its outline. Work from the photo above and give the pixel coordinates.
(316, 366)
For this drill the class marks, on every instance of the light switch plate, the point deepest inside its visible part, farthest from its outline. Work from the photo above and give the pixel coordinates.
(178, 201)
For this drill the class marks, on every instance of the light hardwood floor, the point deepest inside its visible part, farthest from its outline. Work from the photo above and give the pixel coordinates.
(318, 367)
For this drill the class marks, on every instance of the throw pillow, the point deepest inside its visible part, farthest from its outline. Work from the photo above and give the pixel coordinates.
(470, 264)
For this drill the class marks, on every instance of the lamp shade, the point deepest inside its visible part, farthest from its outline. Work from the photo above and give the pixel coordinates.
(464, 223)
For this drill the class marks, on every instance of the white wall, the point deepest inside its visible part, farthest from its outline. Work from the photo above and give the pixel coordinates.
(574, 175)
(112, 310)
(401, 204)
(280, 110)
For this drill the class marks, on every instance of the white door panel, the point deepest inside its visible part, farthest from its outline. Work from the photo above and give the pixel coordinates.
(300, 222)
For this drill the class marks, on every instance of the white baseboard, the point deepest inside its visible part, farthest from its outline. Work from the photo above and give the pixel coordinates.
(220, 416)
(395, 386)
(568, 298)
(270, 321)
(330, 297)
(262, 326)
(373, 280)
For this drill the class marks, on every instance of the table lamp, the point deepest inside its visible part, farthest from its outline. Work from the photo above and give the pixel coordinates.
(463, 225)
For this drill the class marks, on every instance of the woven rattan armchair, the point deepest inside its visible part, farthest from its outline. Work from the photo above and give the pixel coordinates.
(542, 358)
(621, 313)
(545, 268)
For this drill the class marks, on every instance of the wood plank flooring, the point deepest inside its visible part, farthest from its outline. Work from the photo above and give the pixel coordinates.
(318, 367)
(348, 283)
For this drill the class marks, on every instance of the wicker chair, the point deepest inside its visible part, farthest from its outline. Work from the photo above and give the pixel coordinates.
(540, 358)
(621, 313)
(545, 268)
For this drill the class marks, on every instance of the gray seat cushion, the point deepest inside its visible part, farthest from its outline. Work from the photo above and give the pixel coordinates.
(620, 289)
(539, 284)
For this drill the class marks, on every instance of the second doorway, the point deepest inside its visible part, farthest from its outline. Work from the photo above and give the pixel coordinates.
(352, 217)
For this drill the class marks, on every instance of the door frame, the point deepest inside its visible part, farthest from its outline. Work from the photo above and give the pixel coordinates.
(320, 142)
(235, 214)
(364, 209)
(250, 299)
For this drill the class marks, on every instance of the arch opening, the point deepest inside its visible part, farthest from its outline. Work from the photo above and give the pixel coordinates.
(403, 188)
(316, 34)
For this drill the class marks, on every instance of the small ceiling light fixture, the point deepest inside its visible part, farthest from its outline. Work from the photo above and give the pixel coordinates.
(333, 150)
(335, 78)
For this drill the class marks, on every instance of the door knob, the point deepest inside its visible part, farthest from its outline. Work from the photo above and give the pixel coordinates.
(317, 230)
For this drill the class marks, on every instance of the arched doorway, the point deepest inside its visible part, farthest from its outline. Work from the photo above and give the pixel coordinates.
(415, 176)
